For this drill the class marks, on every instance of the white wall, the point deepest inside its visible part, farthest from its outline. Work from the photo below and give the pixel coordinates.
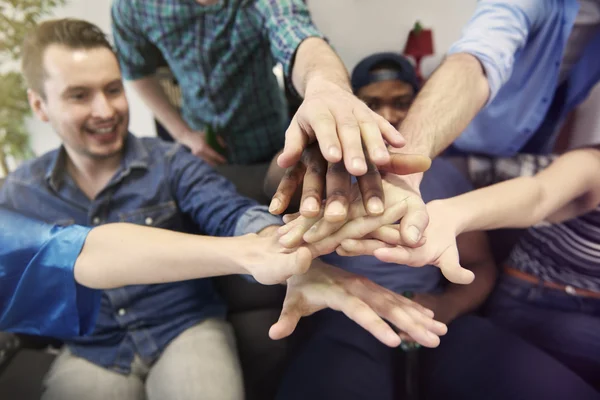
(43, 137)
(357, 28)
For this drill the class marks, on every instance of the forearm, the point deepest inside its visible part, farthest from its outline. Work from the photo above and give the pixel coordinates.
(116, 255)
(516, 203)
(156, 99)
(445, 106)
(316, 62)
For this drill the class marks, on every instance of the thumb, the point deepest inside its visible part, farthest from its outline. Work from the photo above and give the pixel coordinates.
(288, 320)
(405, 164)
(451, 268)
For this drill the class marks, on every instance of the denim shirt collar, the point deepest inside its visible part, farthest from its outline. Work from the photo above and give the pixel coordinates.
(135, 156)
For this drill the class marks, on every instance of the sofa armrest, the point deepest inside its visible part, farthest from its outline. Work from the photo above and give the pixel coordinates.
(9, 345)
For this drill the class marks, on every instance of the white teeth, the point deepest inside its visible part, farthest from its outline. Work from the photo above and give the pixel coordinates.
(103, 130)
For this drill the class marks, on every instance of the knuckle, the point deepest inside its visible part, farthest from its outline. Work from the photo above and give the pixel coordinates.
(314, 169)
(311, 192)
(339, 194)
(336, 168)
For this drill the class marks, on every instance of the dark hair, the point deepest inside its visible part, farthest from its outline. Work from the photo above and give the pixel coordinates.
(69, 32)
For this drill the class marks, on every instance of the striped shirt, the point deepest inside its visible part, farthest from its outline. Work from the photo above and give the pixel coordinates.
(222, 56)
(567, 253)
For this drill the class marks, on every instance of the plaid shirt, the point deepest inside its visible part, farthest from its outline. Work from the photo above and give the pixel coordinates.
(223, 57)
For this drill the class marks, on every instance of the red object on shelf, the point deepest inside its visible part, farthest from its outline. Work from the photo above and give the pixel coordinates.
(418, 45)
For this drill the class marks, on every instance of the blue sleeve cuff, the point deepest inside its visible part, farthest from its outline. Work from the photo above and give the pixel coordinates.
(493, 73)
(496, 32)
(254, 220)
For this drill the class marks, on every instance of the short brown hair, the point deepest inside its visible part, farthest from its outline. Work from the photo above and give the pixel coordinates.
(69, 32)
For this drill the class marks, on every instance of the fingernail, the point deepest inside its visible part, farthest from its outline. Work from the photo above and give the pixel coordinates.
(335, 209)
(275, 204)
(375, 205)
(281, 230)
(335, 152)
(358, 163)
(413, 233)
(310, 204)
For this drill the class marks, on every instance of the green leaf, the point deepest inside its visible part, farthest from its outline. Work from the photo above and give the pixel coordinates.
(17, 19)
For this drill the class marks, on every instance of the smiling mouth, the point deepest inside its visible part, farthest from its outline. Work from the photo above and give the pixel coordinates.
(105, 130)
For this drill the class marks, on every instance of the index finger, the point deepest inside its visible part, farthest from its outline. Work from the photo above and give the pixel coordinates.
(371, 136)
(314, 182)
(287, 187)
(371, 190)
(295, 142)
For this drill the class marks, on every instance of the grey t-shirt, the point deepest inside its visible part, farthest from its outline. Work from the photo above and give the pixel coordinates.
(442, 180)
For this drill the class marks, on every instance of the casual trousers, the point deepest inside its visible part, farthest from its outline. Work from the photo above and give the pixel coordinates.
(565, 326)
(201, 364)
(475, 360)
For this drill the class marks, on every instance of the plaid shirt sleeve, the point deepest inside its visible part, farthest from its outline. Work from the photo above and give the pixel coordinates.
(137, 55)
(287, 23)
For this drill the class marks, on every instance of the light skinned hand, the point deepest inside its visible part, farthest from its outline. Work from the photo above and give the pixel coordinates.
(282, 262)
(340, 123)
(399, 196)
(361, 300)
(196, 142)
(439, 246)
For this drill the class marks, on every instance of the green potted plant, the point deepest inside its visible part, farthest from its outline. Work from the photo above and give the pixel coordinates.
(17, 18)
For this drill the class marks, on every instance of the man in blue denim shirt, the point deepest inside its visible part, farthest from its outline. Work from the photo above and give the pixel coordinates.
(104, 174)
(160, 341)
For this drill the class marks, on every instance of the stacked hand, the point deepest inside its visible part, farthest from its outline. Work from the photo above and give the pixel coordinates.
(361, 300)
(438, 248)
(313, 285)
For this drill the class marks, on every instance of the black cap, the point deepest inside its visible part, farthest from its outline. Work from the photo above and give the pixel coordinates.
(400, 69)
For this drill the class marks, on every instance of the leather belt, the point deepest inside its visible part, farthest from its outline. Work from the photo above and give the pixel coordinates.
(515, 273)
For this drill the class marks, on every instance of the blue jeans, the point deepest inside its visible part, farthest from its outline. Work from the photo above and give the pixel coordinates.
(475, 360)
(566, 327)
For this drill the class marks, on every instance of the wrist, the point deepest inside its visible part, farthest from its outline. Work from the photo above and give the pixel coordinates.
(413, 181)
(453, 308)
(249, 252)
(452, 217)
(317, 82)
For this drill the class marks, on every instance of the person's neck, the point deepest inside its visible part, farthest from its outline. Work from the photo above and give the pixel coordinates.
(92, 175)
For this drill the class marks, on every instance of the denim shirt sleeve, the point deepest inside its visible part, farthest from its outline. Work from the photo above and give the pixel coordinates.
(38, 291)
(287, 24)
(211, 200)
(255, 219)
(138, 57)
(497, 31)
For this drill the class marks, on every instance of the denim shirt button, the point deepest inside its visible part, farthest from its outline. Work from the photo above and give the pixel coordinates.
(149, 221)
(121, 312)
(96, 220)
